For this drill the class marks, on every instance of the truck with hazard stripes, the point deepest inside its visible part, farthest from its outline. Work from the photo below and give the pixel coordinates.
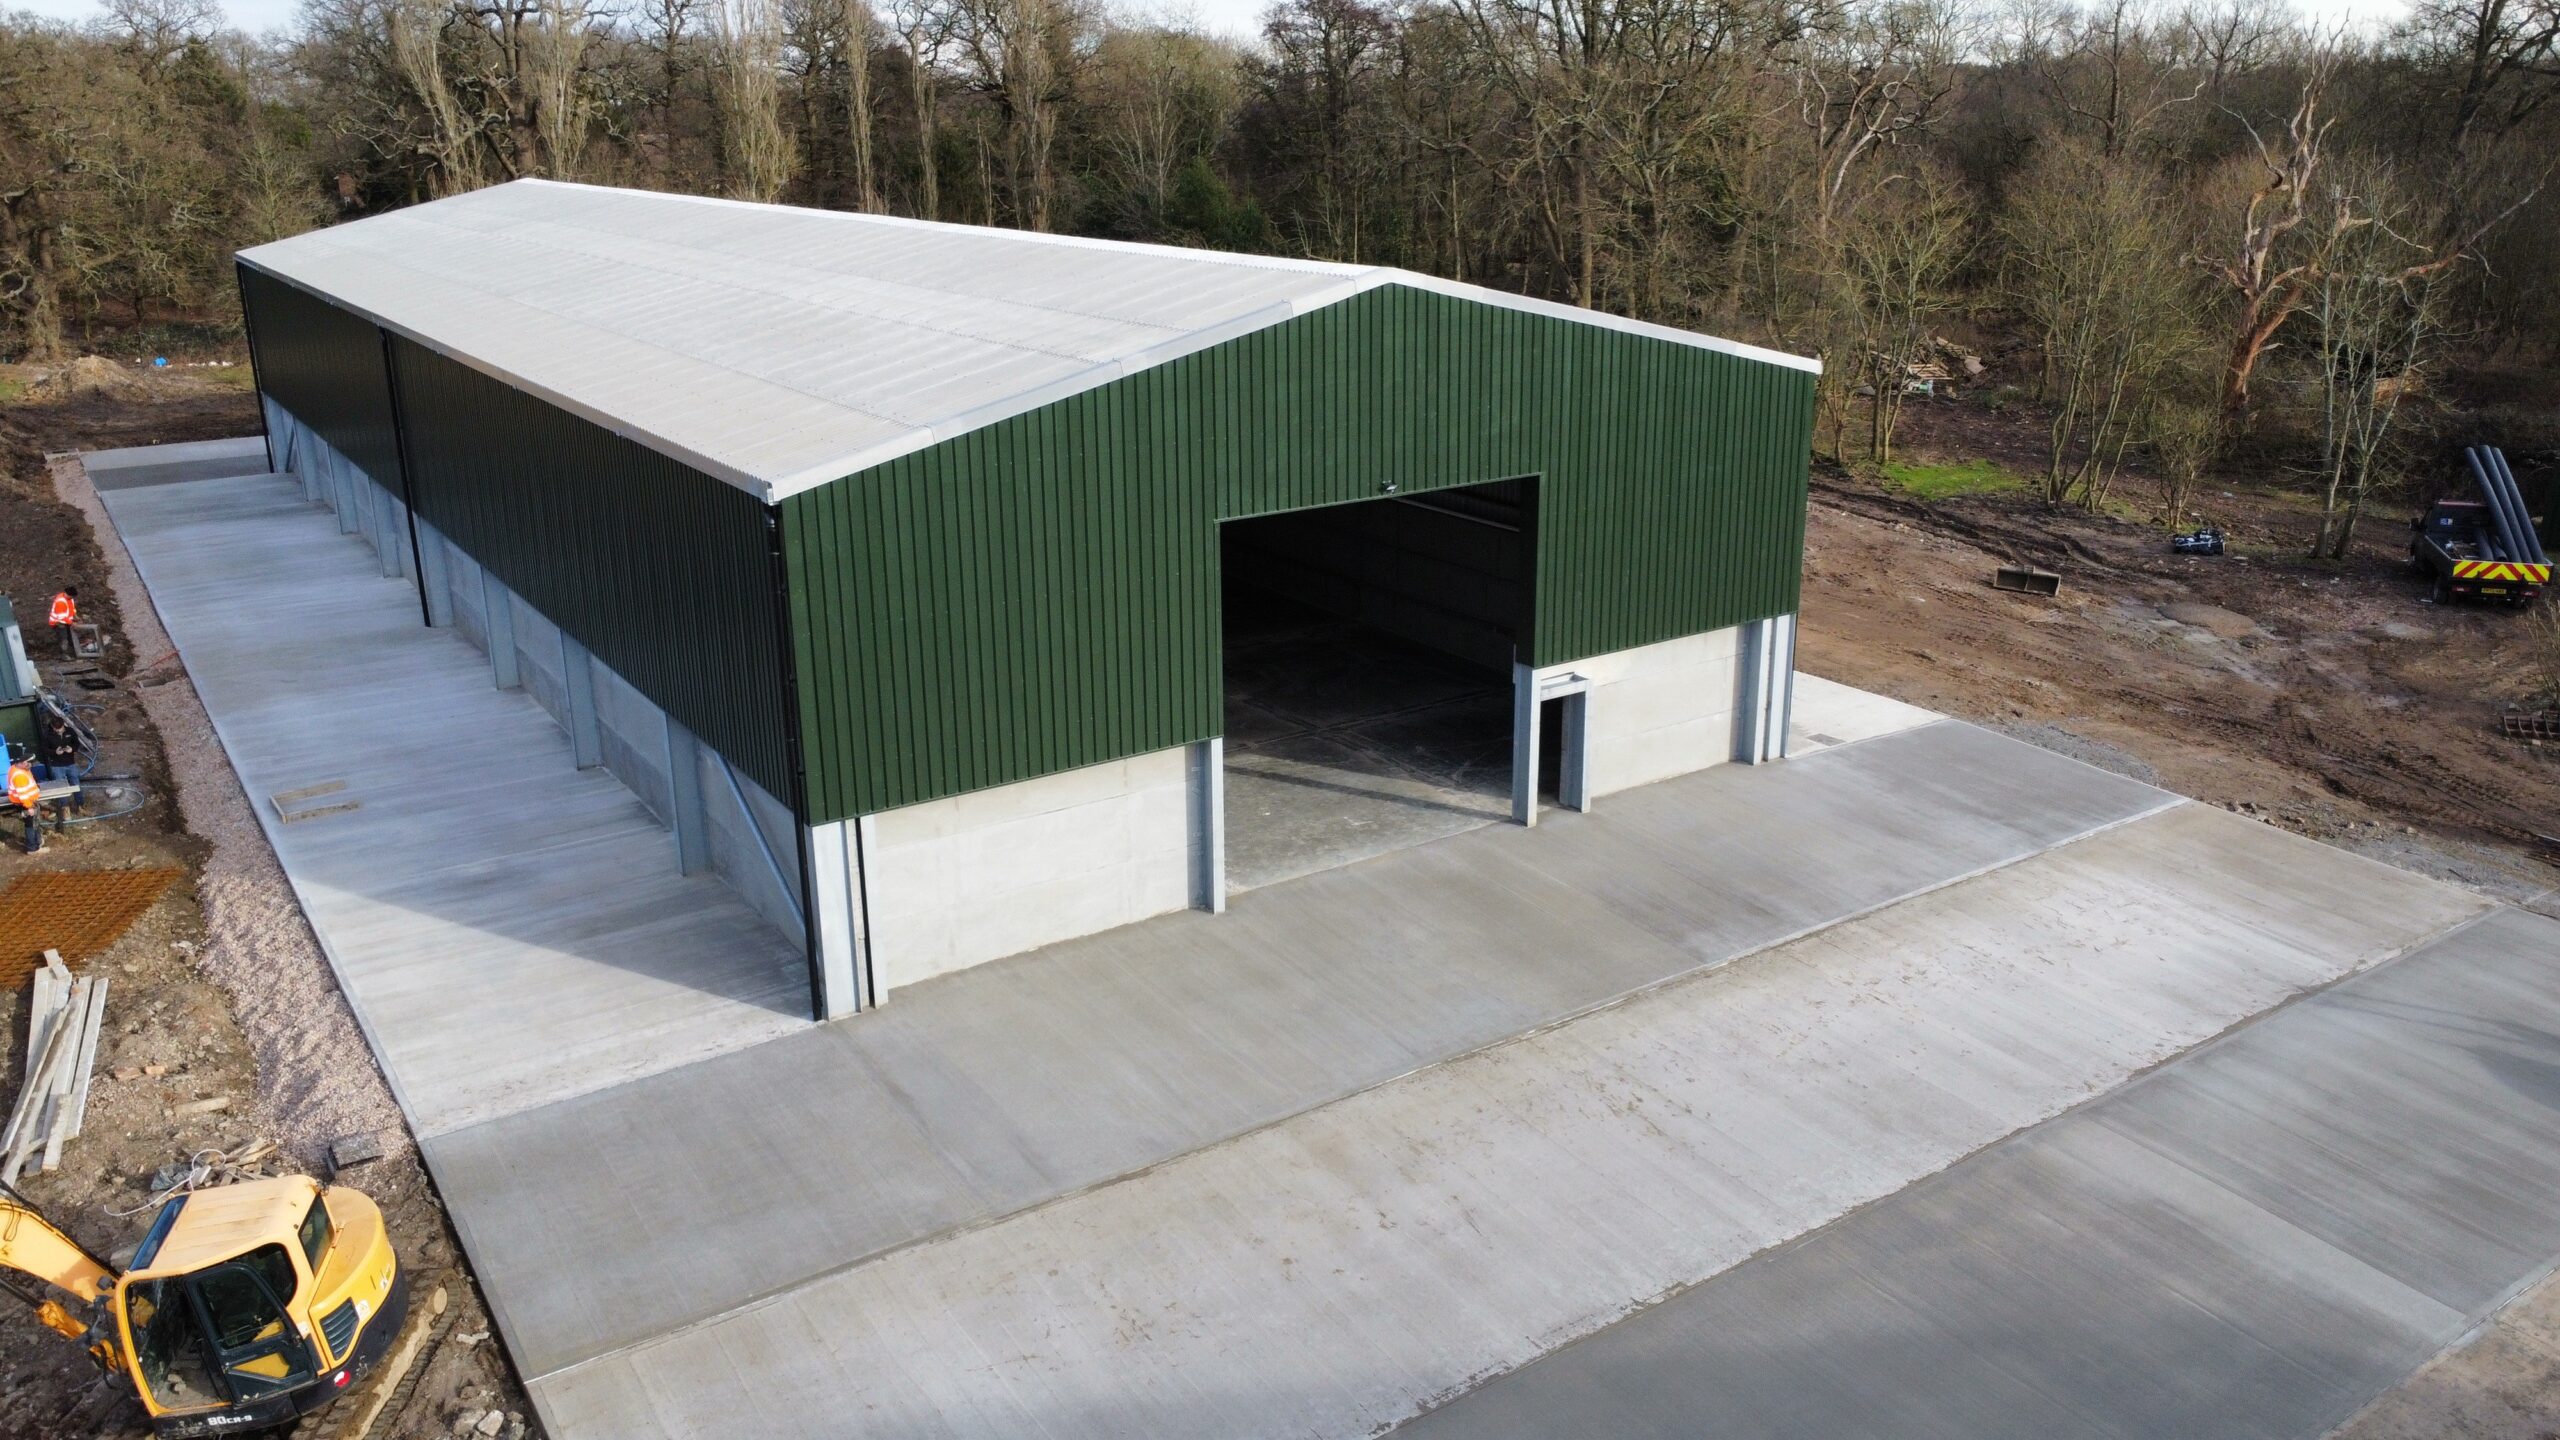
(2485, 548)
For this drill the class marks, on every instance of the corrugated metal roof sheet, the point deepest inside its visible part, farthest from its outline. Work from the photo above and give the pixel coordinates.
(781, 348)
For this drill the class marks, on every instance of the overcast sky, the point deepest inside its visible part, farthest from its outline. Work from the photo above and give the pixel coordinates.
(1236, 17)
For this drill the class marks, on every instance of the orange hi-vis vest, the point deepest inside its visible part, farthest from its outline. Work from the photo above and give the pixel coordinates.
(22, 787)
(64, 611)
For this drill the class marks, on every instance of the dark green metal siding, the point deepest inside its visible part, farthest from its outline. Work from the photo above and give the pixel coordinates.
(325, 365)
(1043, 594)
(665, 573)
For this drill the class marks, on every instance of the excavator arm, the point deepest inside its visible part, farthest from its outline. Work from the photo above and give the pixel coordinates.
(32, 1245)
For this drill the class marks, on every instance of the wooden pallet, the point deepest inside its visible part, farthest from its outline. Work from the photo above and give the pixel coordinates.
(76, 913)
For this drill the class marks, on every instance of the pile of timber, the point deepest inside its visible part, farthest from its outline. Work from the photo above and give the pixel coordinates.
(62, 1051)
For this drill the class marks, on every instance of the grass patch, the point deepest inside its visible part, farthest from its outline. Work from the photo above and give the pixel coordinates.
(1941, 482)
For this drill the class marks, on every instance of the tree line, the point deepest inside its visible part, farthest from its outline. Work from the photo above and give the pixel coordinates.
(2201, 224)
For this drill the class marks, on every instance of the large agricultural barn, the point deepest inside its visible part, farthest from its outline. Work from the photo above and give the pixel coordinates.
(927, 580)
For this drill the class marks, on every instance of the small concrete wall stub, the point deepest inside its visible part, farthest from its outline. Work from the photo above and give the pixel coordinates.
(958, 882)
(634, 732)
(1660, 710)
(741, 839)
(465, 592)
(538, 660)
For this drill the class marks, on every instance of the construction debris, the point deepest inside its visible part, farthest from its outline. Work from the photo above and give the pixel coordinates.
(2534, 725)
(63, 1019)
(2026, 580)
(295, 805)
(346, 1154)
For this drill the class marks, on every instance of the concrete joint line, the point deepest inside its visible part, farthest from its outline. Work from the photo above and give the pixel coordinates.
(2142, 1076)
(1695, 973)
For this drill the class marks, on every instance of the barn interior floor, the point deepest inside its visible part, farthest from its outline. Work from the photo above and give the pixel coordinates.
(1343, 743)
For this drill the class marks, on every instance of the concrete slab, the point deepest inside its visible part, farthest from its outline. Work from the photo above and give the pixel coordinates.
(169, 464)
(987, 1091)
(1343, 743)
(2253, 1241)
(1335, 1271)
(510, 929)
(1827, 713)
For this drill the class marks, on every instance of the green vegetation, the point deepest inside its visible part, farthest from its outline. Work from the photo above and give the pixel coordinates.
(1941, 482)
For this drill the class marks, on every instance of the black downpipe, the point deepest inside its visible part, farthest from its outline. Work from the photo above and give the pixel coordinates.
(780, 574)
(2517, 530)
(2480, 474)
(408, 492)
(2525, 532)
(249, 332)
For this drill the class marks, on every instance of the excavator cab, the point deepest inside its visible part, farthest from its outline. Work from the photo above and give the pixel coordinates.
(245, 1306)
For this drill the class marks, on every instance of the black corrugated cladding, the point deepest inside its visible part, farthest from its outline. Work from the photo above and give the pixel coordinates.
(324, 365)
(664, 572)
(1042, 594)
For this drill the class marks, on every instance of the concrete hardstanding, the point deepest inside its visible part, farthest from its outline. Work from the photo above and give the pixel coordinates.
(2254, 1241)
(507, 925)
(1338, 1270)
(1006, 1085)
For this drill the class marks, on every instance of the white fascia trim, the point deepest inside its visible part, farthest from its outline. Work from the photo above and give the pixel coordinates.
(1554, 310)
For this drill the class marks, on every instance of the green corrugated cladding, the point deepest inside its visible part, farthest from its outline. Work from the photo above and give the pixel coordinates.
(665, 573)
(1042, 593)
(325, 365)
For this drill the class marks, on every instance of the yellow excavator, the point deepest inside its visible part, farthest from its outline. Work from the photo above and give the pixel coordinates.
(245, 1307)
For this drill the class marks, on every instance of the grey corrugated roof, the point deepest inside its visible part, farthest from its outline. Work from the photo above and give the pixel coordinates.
(781, 348)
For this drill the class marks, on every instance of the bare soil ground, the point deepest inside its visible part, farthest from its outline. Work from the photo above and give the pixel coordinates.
(220, 991)
(2332, 699)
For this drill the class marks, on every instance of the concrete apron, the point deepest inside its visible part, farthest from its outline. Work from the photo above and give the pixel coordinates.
(2256, 1239)
(1341, 1269)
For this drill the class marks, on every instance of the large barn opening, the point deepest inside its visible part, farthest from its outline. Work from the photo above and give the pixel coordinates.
(1369, 654)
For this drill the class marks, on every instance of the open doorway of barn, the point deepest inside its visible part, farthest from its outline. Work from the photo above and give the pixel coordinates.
(1369, 682)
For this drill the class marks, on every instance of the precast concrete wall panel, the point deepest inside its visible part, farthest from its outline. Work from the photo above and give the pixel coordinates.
(634, 733)
(538, 660)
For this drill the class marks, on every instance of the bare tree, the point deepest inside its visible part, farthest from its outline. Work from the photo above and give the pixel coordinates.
(1158, 98)
(1870, 79)
(757, 155)
(2271, 262)
(2092, 267)
(2376, 315)
(924, 28)
(1898, 254)
(415, 29)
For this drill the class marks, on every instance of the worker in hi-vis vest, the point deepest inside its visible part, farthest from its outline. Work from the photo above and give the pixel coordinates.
(24, 795)
(65, 614)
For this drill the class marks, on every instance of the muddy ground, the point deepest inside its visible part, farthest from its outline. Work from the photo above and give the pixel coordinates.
(214, 990)
(2331, 699)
